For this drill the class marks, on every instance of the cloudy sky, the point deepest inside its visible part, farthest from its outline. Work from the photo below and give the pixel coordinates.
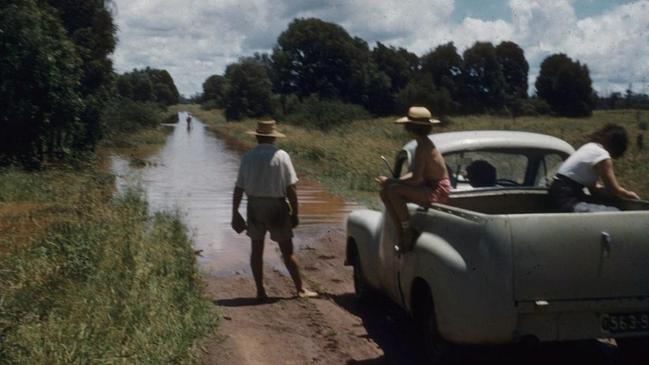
(194, 39)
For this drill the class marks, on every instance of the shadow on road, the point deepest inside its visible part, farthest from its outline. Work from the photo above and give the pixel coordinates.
(392, 330)
(243, 302)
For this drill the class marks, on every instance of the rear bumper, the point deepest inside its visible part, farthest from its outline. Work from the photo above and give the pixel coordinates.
(575, 320)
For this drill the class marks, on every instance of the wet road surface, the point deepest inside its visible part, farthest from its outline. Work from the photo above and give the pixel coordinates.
(194, 173)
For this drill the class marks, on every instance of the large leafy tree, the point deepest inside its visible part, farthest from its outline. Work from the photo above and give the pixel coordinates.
(40, 75)
(89, 24)
(390, 70)
(565, 85)
(515, 69)
(397, 63)
(250, 91)
(316, 57)
(444, 65)
(215, 90)
(422, 91)
(148, 85)
(164, 87)
(484, 82)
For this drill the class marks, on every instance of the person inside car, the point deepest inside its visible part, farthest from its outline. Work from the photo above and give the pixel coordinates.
(480, 174)
(590, 164)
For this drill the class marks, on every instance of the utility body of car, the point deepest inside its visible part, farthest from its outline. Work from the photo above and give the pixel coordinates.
(498, 264)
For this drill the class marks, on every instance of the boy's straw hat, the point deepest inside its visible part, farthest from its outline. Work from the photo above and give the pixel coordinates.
(266, 128)
(418, 115)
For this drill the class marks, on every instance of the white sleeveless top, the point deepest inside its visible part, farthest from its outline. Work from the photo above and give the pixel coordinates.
(580, 166)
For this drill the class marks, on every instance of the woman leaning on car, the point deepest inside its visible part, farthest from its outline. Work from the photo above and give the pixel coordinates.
(591, 163)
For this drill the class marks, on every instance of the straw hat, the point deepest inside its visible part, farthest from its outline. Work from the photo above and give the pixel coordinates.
(418, 115)
(266, 128)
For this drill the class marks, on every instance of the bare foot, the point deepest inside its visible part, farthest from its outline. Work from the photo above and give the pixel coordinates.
(262, 297)
(306, 293)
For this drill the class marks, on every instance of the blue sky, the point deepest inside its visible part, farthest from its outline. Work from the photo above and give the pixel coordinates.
(499, 9)
(194, 39)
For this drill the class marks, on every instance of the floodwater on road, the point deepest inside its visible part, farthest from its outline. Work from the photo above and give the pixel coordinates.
(194, 173)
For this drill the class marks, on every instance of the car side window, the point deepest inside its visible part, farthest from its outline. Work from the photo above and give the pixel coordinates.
(547, 169)
(497, 167)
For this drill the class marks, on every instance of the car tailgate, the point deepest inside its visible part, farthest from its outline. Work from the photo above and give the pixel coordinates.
(580, 255)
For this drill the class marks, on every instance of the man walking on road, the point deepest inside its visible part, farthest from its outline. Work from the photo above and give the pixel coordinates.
(268, 178)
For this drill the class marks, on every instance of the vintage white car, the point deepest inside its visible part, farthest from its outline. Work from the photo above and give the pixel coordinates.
(498, 264)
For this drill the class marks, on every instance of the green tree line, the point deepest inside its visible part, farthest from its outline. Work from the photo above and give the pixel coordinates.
(58, 89)
(315, 62)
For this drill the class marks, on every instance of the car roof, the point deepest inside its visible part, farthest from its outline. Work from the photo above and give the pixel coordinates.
(493, 139)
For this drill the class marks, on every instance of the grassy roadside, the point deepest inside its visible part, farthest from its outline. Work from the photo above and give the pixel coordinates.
(86, 277)
(346, 158)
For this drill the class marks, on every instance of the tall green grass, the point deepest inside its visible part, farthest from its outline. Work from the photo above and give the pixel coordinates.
(346, 157)
(94, 279)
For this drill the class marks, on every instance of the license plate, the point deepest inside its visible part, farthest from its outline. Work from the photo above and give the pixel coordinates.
(625, 322)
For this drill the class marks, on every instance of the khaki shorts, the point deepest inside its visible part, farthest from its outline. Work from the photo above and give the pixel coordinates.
(269, 214)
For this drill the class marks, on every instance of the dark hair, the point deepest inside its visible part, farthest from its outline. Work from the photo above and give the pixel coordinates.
(481, 173)
(613, 138)
(265, 139)
(419, 129)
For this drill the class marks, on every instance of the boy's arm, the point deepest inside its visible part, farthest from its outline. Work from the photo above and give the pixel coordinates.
(291, 194)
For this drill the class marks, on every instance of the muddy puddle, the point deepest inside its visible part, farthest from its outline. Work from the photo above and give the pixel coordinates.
(194, 174)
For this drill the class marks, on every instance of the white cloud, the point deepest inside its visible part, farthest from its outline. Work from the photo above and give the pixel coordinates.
(193, 39)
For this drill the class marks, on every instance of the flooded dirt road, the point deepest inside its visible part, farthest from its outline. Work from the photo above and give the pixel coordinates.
(195, 173)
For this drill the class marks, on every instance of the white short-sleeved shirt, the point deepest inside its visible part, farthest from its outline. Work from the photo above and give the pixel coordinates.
(266, 171)
(580, 166)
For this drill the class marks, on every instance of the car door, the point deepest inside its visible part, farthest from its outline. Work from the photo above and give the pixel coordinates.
(388, 257)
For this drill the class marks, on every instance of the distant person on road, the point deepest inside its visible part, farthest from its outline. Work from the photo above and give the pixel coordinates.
(268, 178)
(189, 121)
(427, 183)
(591, 163)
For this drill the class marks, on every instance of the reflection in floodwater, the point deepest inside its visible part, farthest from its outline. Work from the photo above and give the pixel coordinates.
(195, 173)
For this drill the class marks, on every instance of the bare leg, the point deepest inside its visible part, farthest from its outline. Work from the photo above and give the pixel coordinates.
(257, 265)
(286, 247)
(399, 195)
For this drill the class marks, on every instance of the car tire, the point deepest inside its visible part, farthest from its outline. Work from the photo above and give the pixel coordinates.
(362, 288)
(633, 350)
(434, 349)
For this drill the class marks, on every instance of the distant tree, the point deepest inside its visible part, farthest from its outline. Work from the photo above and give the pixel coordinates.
(484, 82)
(566, 86)
(40, 104)
(515, 69)
(376, 89)
(89, 24)
(136, 85)
(316, 57)
(390, 70)
(615, 100)
(250, 90)
(215, 89)
(164, 87)
(421, 91)
(397, 63)
(148, 85)
(444, 64)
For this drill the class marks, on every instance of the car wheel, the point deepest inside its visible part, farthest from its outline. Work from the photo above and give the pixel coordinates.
(434, 349)
(361, 287)
(633, 350)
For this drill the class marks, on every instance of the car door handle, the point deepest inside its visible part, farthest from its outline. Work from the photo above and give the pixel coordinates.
(606, 243)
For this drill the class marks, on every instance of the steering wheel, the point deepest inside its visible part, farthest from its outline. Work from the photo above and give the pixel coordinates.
(507, 182)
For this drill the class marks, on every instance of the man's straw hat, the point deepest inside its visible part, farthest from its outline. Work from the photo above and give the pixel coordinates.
(266, 128)
(418, 115)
